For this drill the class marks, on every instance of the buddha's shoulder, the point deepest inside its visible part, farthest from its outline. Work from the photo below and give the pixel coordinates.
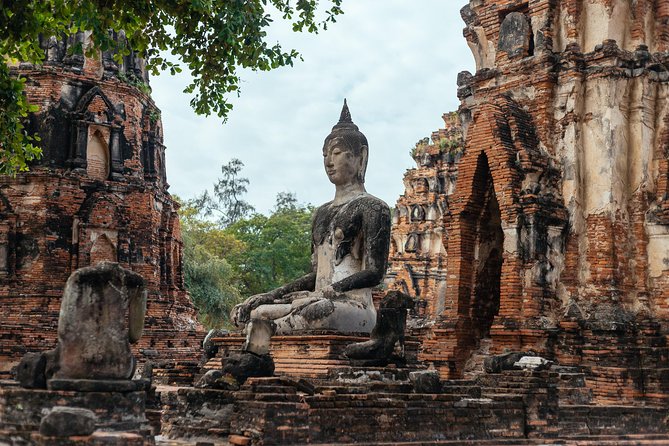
(362, 203)
(367, 199)
(323, 208)
(371, 203)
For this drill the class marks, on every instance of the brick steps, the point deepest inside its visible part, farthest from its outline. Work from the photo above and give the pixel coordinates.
(513, 408)
(176, 373)
(627, 440)
(200, 414)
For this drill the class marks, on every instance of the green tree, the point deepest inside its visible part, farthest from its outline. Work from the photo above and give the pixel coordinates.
(212, 38)
(286, 201)
(235, 256)
(277, 247)
(227, 201)
(209, 278)
(16, 145)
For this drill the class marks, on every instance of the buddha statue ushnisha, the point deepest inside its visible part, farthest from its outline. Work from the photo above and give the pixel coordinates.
(350, 241)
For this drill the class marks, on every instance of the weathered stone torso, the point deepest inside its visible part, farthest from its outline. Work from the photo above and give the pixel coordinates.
(102, 311)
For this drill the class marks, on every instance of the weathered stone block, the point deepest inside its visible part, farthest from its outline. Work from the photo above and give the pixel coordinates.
(426, 381)
(68, 422)
(245, 365)
(30, 372)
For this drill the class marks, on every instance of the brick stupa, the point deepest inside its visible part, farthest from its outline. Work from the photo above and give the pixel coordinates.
(99, 192)
(545, 227)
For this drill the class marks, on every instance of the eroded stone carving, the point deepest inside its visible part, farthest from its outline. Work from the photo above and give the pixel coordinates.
(350, 237)
(388, 331)
(94, 335)
(515, 35)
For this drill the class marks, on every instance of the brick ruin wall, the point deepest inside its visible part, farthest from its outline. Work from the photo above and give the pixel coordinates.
(98, 193)
(547, 227)
(417, 263)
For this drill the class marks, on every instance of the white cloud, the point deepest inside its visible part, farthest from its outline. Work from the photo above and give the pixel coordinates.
(397, 64)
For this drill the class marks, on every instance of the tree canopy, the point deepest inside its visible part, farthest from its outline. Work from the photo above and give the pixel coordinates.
(277, 248)
(212, 38)
(227, 202)
(230, 259)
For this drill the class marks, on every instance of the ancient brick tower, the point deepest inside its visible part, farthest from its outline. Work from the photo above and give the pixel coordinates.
(98, 193)
(555, 229)
(418, 256)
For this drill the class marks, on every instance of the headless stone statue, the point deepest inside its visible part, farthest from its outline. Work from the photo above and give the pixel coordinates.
(350, 242)
(94, 333)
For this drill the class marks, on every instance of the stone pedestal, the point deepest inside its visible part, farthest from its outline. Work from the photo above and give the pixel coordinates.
(97, 439)
(196, 414)
(21, 411)
(310, 355)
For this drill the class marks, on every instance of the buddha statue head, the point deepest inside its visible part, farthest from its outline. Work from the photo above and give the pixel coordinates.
(345, 151)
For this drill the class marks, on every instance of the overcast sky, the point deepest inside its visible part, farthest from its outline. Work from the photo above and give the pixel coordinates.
(396, 62)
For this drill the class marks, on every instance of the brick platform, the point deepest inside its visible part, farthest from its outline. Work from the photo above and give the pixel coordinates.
(308, 355)
(21, 411)
(508, 408)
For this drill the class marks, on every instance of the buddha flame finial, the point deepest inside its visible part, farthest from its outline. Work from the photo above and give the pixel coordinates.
(345, 116)
(345, 121)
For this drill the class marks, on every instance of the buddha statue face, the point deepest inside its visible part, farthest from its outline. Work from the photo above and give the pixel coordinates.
(345, 152)
(342, 164)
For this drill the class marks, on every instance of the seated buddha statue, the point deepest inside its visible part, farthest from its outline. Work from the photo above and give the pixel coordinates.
(350, 242)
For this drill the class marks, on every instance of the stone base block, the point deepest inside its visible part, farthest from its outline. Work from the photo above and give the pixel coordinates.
(97, 439)
(99, 385)
(196, 414)
(21, 410)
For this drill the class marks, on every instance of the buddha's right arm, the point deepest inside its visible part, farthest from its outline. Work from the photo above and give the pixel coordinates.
(304, 283)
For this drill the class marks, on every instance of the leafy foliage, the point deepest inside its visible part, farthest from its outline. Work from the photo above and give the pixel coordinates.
(212, 38)
(225, 263)
(286, 201)
(16, 147)
(277, 248)
(212, 282)
(227, 201)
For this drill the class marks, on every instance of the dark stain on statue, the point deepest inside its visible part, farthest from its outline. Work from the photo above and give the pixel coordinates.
(318, 310)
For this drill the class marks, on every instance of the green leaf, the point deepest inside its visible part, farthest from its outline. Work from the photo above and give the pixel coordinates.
(211, 38)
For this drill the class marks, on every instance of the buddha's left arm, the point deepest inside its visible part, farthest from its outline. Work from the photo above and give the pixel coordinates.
(376, 243)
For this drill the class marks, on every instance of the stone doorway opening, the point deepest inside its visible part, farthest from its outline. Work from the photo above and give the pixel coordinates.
(486, 253)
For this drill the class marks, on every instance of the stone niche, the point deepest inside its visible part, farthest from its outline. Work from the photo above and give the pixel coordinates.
(4, 248)
(515, 36)
(97, 155)
(96, 143)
